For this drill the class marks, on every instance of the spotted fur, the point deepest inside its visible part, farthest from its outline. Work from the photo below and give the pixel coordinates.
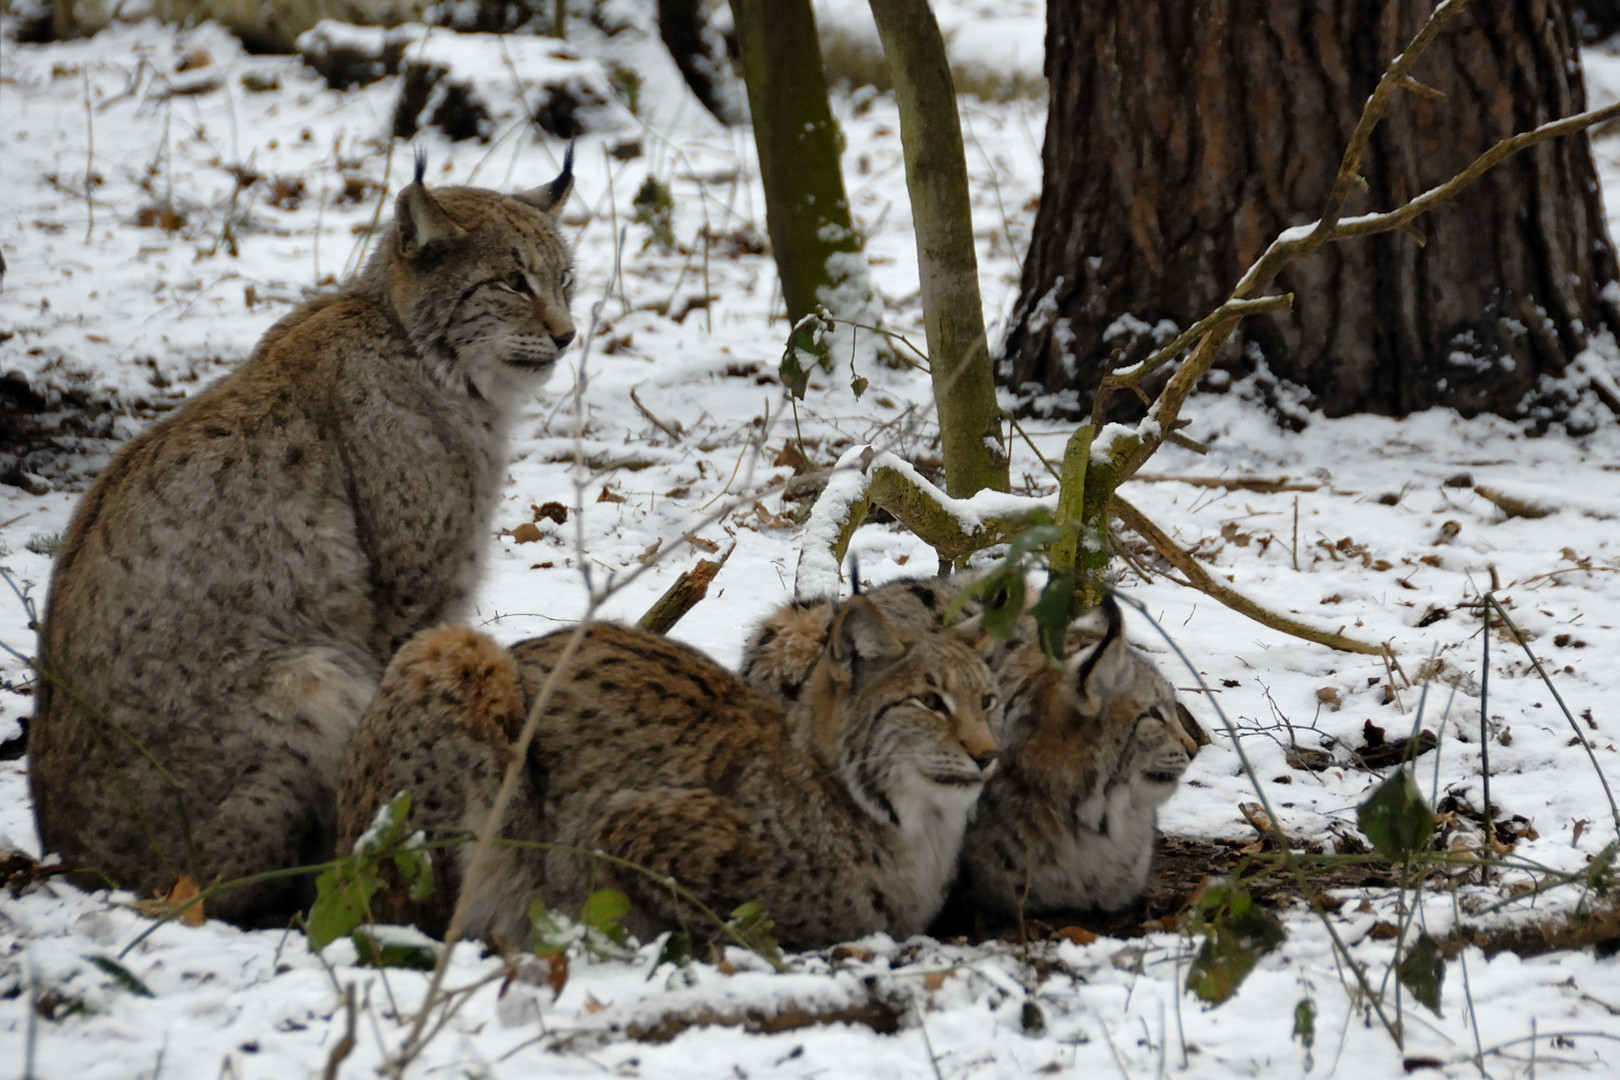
(843, 813)
(1089, 750)
(232, 586)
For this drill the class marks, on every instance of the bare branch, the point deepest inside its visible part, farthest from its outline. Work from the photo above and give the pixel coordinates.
(1205, 583)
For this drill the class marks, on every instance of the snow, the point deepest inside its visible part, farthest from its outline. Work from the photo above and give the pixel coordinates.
(1380, 535)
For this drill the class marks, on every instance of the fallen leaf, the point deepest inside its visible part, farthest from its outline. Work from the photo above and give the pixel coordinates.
(1329, 696)
(1078, 935)
(555, 511)
(186, 889)
(935, 979)
(609, 495)
(525, 533)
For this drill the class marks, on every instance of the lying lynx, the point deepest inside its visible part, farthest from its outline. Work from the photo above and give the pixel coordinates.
(842, 815)
(232, 586)
(1089, 751)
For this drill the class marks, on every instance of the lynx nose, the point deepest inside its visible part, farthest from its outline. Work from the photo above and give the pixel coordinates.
(562, 341)
(984, 758)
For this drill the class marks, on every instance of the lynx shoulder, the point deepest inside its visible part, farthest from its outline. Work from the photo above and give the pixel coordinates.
(842, 815)
(232, 586)
(1090, 748)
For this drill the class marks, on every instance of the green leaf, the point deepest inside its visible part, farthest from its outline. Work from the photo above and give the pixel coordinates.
(552, 933)
(415, 867)
(392, 954)
(1396, 819)
(1422, 970)
(677, 949)
(342, 896)
(1236, 935)
(1053, 612)
(752, 925)
(858, 384)
(121, 975)
(1305, 1022)
(602, 911)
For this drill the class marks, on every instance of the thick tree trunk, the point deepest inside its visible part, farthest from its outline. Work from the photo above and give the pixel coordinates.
(1183, 136)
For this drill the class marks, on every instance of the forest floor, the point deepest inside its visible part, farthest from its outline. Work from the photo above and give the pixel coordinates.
(169, 196)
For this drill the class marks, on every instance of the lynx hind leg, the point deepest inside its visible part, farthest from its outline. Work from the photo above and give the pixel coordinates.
(439, 729)
(694, 837)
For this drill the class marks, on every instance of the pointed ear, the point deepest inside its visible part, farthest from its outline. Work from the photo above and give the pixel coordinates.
(549, 198)
(860, 635)
(421, 221)
(1104, 670)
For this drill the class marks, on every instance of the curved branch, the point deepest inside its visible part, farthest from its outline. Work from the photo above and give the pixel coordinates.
(1205, 583)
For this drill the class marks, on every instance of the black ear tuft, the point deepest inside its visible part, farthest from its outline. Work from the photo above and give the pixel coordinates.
(854, 576)
(421, 165)
(565, 179)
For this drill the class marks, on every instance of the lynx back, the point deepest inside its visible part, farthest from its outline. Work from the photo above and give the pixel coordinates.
(232, 586)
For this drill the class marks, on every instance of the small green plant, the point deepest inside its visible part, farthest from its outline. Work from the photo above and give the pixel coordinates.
(344, 890)
(627, 83)
(655, 208)
(1236, 935)
(46, 544)
(600, 927)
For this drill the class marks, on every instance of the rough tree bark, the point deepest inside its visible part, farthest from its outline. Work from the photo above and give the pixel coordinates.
(1183, 136)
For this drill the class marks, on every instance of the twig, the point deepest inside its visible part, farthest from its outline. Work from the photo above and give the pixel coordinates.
(1206, 583)
(672, 432)
(1264, 486)
(344, 1045)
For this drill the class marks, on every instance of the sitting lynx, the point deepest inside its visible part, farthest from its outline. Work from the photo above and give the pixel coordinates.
(1089, 751)
(232, 586)
(843, 815)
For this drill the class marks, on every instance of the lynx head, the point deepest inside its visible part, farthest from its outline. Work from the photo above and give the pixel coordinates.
(1104, 717)
(906, 715)
(480, 281)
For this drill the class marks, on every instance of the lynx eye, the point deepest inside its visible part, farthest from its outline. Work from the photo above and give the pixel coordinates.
(519, 283)
(567, 280)
(932, 702)
(987, 702)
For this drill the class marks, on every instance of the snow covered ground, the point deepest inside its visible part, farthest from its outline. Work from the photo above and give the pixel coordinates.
(269, 178)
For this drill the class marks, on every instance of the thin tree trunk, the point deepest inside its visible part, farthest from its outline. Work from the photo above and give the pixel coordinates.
(1183, 136)
(817, 249)
(972, 440)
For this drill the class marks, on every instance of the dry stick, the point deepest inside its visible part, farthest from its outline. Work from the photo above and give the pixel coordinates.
(1230, 483)
(651, 419)
(344, 1045)
(687, 592)
(1204, 582)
